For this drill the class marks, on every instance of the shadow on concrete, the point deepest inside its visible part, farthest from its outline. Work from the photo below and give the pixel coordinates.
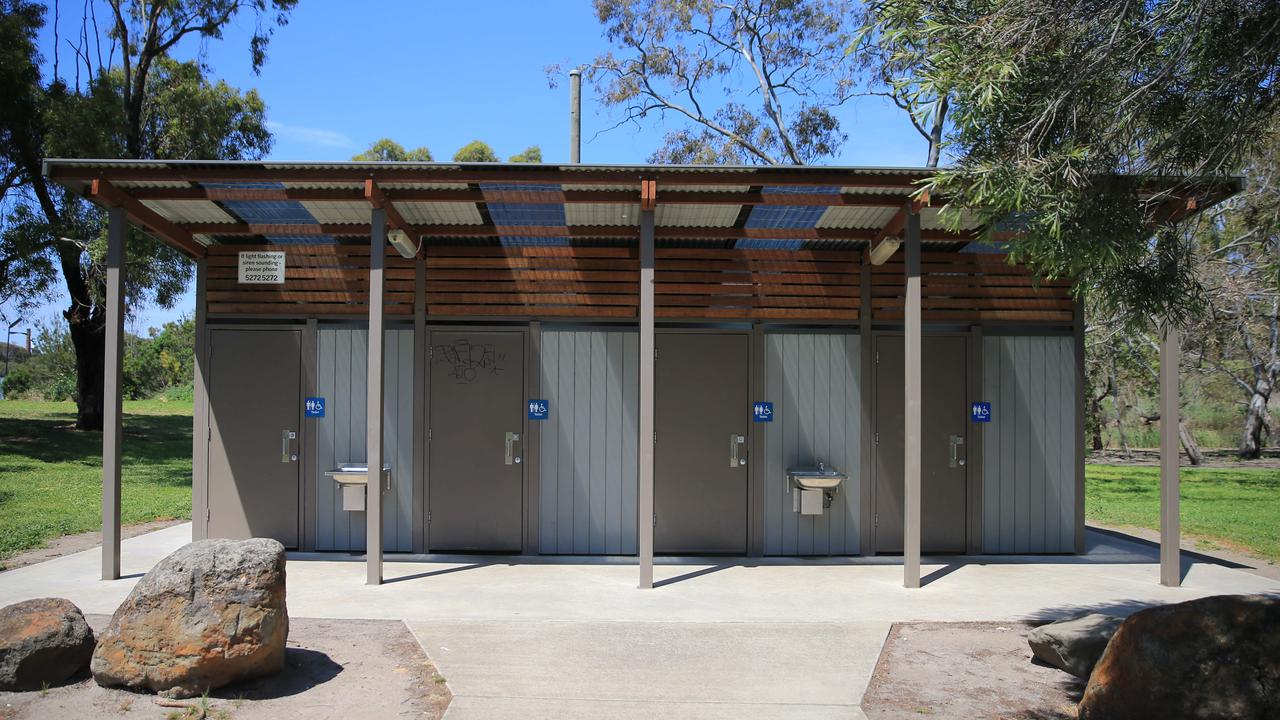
(303, 670)
(690, 575)
(433, 573)
(940, 573)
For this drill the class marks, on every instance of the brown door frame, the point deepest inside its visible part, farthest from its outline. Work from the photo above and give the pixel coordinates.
(300, 326)
(973, 444)
(528, 469)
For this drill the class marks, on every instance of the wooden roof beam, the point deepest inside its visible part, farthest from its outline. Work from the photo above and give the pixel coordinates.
(105, 194)
(890, 236)
(378, 199)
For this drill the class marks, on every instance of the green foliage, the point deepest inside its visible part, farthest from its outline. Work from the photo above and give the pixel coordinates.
(475, 151)
(163, 361)
(1231, 506)
(755, 82)
(52, 483)
(531, 154)
(50, 372)
(388, 150)
(1050, 102)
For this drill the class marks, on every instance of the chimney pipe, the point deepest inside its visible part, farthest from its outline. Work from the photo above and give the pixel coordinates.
(575, 116)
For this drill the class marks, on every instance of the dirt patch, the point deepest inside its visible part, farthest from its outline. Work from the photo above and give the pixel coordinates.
(1215, 458)
(67, 544)
(966, 670)
(341, 669)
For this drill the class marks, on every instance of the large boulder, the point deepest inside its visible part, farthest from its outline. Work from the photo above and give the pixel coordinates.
(211, 613)
(1217, 657)
(1074, 645)
(42, 642)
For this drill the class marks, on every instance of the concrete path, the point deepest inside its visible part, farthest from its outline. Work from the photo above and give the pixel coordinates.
(643, 670)
(770, 638)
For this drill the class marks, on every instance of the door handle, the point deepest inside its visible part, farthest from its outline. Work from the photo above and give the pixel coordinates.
(509, 457)
(286, 439)
(956, 460)
(734, 441)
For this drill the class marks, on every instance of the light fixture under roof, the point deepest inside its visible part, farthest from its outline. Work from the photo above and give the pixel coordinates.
(885, 249)
(400, 240)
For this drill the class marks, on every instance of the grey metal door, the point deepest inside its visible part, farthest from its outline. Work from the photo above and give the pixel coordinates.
(701, 417)
(477, 441)
(944, 423)
(255, 403)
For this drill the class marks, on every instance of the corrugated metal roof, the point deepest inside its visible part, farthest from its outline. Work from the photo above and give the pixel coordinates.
(696, 215)
(856, 217)
(440, 213)
(335, 211)
(613, 214)
(190, 211)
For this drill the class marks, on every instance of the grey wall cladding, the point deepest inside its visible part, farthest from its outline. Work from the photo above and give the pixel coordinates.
(588, 462)
(813, 381)
(1029, 447)
(340, 436)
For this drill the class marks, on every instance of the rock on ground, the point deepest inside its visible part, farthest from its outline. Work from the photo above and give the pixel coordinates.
(1074, 645)
(42, 642)
(1216, 657)
(210, 613)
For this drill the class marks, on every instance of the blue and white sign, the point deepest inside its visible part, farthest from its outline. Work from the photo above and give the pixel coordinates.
(539, 409)
(980, 412)
(762, 412)
(313, 407)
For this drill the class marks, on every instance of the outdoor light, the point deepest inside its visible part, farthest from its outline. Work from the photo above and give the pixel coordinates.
(399, 239)
(885, 249)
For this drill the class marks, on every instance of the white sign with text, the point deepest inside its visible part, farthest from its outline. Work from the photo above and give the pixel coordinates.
(261, 268)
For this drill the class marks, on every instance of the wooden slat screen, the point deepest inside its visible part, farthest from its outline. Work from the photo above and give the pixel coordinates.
(602, 283)
(588, 282)
(319, 280)
(970, 287)
(756, 284)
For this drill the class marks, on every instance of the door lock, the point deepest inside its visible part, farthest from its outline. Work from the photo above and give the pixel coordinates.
(509, 457)
(286, 446)
(956, 461)
(735, 458)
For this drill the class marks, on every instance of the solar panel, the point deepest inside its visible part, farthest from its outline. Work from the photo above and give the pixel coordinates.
(526, 214)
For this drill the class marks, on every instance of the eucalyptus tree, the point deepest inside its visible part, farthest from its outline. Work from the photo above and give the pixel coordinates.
(123, 96)
(747, 81)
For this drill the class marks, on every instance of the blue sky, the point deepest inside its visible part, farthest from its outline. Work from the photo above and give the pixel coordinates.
(341, 75)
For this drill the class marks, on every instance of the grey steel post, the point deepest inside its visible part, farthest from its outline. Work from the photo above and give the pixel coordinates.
(1170, 520)
(1082, 385)
(373, 411)
(575, 115)
(200, 420)
(912, 380)
(112, 406)
(866, 369)
(645, 504)
(419, 405)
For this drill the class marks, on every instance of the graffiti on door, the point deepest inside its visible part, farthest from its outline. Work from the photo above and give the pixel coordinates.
(468, 360)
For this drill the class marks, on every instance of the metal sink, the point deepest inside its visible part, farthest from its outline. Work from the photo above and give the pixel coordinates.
(816, 477)
(355, 474)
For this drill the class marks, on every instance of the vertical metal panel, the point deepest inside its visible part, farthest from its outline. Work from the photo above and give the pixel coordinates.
(814, 382)
(1071, 414)
(1029, 447)
(419, 420)
(340, 436)
(310, 379)
(549, 441)
(589, 452)
(200, 418)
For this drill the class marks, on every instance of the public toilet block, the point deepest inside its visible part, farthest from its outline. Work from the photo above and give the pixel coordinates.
(611, 360)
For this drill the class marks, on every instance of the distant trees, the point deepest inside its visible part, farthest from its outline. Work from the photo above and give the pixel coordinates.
(388, 150)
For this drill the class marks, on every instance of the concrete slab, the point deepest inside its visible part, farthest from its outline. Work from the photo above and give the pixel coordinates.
(473, 708)
(763, 669)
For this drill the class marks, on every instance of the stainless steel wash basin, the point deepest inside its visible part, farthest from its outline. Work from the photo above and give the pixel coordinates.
(816, 477)
(356, 474)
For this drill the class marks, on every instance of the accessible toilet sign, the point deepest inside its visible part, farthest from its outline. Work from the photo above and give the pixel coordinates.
(539, 409)
(980, 412)
(313, 407)
(762, 412)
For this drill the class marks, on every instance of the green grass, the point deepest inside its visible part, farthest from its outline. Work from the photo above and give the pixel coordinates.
(51, 475)
(1235, 507)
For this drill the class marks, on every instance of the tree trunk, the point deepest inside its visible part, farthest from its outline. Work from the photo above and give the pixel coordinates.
(1097, 424)
(1189, 444)
(89, 337)
(1252, 441)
